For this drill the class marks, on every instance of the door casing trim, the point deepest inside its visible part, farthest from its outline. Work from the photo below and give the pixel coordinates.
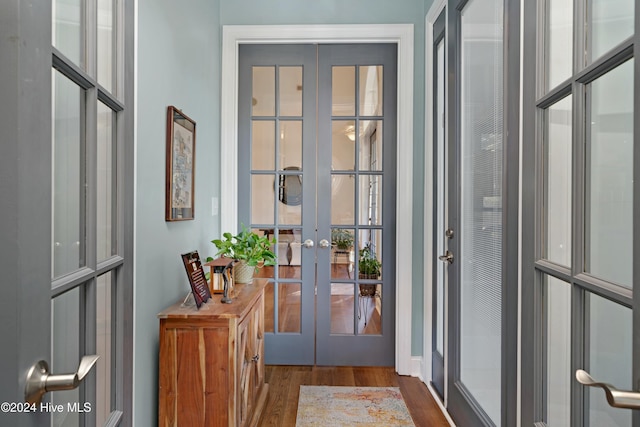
(402, 35)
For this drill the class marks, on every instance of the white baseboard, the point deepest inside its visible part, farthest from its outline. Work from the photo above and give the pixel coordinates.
(416, 367)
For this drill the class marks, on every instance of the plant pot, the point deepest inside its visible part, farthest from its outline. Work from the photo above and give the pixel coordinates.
(367, 290)
(243, 273)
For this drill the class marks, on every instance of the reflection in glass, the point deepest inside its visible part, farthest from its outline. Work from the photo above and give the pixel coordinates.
(610, 361)
(290, 144)
(290, 91)
(68, 29)
(370, 309)
(103, 347)
(269, 304)
(105, 56)
(289, 253)
(559, 41)
(343, 195)
(262, 199)
(558, 376)
(371, 90)
(611, 23)
(481, 100)
(343, 91)
(263, 99)
(289, 307)
(558, 182)
(609, 192)
(68, 177)
(290, 198)
(342, 309)
(370, 254)
(106, 196)
(343, 147)
(370, 146)
(370, 209)
(342, 253)
(65, 351)
(263, 145)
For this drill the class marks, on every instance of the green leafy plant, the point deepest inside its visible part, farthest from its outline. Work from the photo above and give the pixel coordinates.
(368, 264)
(341, 238)
(247, 246)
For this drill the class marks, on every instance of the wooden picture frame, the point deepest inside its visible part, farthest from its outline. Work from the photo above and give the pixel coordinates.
(180, 167)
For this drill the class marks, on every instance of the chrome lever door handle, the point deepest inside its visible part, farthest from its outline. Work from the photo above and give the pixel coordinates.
(616, 398)
(308, 243)
(447, 257)
(40, 380)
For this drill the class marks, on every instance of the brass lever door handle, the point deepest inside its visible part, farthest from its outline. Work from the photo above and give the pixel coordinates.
(616, 398)
(40, 380)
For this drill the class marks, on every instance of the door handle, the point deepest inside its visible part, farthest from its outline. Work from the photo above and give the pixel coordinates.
(616, 398)
(324, 243)
(447, 257)
(40, 380)
(308, 243)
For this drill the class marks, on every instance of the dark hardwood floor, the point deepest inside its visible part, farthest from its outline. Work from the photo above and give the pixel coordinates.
(285, 381)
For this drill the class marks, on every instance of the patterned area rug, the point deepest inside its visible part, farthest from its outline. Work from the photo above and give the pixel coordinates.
(351, 406)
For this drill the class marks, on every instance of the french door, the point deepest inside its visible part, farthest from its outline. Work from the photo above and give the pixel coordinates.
(316, 162)
(580, 263)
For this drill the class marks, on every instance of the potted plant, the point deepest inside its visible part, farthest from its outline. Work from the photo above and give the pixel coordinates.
(368, 268)
(341, 239)
(250, 249)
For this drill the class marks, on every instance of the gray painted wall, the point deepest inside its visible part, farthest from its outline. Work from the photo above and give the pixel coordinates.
(178, 64)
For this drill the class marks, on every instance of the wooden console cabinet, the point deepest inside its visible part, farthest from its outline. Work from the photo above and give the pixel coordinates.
(212, 361)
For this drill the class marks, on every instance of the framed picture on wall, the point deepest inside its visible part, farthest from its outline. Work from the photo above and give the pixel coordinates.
(181, 159)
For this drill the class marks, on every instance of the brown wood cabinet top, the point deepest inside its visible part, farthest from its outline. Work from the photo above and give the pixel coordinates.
(243, 298)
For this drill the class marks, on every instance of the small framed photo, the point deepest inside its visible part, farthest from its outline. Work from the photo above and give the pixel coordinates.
(181, 159)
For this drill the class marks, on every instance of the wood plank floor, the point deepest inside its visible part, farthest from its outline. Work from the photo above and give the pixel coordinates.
(285, 381)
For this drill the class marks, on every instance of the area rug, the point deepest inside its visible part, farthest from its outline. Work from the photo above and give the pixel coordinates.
(351, 406)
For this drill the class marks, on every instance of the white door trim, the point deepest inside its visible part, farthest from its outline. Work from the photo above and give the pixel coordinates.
(402, 35)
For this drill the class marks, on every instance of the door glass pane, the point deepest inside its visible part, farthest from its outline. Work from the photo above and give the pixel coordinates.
(262, 199)
(263, 99)
(371, 90)
(342, 310)
(370, 254)
(611, 22)
(441, 201)
(263, 145)
(343, 193)
(481, 202)
(370, 309)
(370, 209)
(290, 144)
(557, 152)
(106, 185)
(104, 348)
(65, 352)
(343, 146)
(370, 146)
(68, 177)
(559, 41)
(290, 199)
(68, 29)
(289, 254)
(289, 307)
(269, 304)
(343, 91)
(609, 193)
(290, 91)
(610, 361)
(342, 253)
(558, 332)
(105, 56)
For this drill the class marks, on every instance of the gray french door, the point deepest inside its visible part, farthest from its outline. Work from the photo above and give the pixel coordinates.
(317, 171)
